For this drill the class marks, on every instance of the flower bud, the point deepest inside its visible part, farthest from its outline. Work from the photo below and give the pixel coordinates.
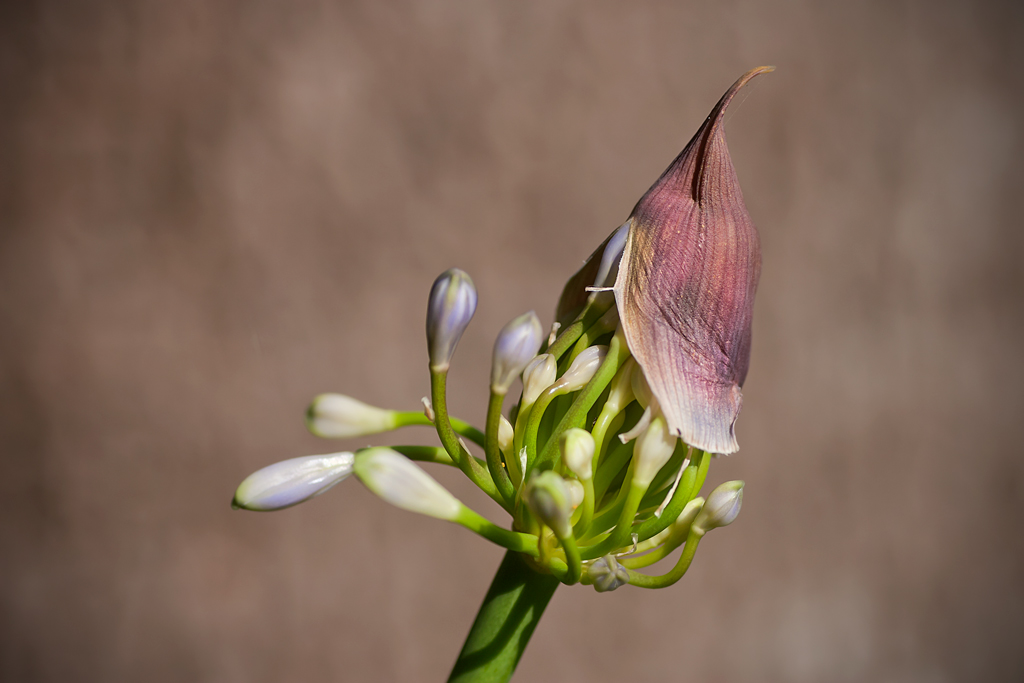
(397, 480)
(681, 527)
(721, 508)
(576, 492)
(505, 436)
(517, 344)
(607, 574)
(336, 416)
(450, 308)
(652, 450)
(539, 375)
(550, 501)
(582, 369)
(578, 452)
(291, 482)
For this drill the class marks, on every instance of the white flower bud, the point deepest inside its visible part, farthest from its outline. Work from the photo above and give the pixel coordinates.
(539, 375)
(550, 501)
(681, 527)
(336, 416)
(652, 450)
(578, 452)
(583, 368)
(607, 574)
(721, 509)
(398, 480)
(505, 436)
(517, 344)
(576, 492)
(451, 306)
(291, 482)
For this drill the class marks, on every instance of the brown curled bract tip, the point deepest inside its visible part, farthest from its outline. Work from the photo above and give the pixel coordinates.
(686, 283)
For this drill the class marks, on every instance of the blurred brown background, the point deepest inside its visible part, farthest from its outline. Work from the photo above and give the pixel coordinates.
(210, 212)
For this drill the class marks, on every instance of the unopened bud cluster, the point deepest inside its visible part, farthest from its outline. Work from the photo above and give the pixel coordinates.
(600, 460)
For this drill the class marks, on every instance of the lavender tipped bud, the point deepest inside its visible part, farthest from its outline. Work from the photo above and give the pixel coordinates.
(607, 574)
(539, 374)
(550, 501)
(336, 416)
(397, 480)
(721, 509)
(578, 452)
(583, 368)
(517, 344)
(291, 482)
(451, 306)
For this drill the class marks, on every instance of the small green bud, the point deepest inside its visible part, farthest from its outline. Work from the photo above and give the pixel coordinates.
(578, 452)
(336, 416)
(397, 480)
(550, 501)
(451, 306)
(607, 574)
(291, 482)
(517, 344)
(721, 508)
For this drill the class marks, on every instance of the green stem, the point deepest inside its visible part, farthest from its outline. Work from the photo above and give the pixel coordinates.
(503, 626)
(689, 487)
(666, 580)
(511, 540)
(466, 462)
(408, 418)
(494, 465)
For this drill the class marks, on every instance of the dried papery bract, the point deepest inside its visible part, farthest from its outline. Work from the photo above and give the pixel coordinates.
(686, 283)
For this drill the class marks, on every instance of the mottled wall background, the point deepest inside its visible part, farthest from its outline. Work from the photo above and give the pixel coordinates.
(210, 212)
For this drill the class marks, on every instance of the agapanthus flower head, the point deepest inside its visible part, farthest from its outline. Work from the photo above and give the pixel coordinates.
(600, 461)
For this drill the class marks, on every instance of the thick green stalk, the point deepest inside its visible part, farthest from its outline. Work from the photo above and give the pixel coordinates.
(506, 620)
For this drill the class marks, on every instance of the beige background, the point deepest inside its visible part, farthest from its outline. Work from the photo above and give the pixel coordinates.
(210, 212)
